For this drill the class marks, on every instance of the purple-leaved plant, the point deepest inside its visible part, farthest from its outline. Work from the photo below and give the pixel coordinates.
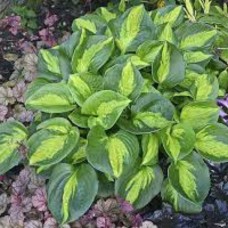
(110, 213)
(223, 103)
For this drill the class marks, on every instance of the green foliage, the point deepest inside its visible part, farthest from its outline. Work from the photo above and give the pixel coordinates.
(122, 91)
(28, 16)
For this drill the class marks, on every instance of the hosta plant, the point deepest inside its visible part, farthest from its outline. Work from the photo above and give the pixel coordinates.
(124, 92)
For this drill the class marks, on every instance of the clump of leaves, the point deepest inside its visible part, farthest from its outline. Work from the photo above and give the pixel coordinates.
(211, 13)
(12, 91)
(28, 17)
(11, 23)
(25, 200)
(110, 213)
(123, 91)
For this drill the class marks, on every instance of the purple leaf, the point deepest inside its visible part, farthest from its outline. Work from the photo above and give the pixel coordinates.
(39, 200)
(21, 114)
(5, 222)
(16, 214)
(47, 37)
(3, 203)
(33, 224)
(13, 23)
(50, 223)
(3, 112)
(104, 222)
(30, 66)
(223, 102)
(26, 46)
(19, 90)
(125, 206)
(6, 96)
(50, 20)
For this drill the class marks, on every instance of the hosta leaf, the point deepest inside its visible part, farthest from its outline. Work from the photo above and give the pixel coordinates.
(150, 112)
(192, 57)
(164, 32)
(141, 186)
(110, 154)
(174, 15)
(56, 124)
(124, 79)
(105, 107)
(68, 46)
(134, 59)
(12, 136)
(223, 80)
(179, 202)
(55, 139)
(48, 64)
(105, 14)
(207, 87)
(92, 54)
(196, 36)
(165, 71)
(93, 23)
(34, 86)
(149, 51)
(132, 28)
(212, 142)
(178, 140)
(150, 148)
(79, 119)
(83, 85)
(51, 98)
(190, 177)
(71, 191)
(78, 155)
(200, 113)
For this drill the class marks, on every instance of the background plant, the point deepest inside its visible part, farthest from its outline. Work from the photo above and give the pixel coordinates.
(115, 99)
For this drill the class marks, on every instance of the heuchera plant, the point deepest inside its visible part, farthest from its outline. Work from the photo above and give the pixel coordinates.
(125, 90)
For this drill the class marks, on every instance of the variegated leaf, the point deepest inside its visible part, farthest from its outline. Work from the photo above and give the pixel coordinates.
(165, 68)
(190, 177)
(200, 113)
(196, 36)
(194, 57)
(79, 119)
(53, 141)
(207, 87)
(92, 23)
(165, 32)
(150, 112)
(93, 52)
(51, 98)
(48, 64)
(212, 142)
(83, 85)
(179, 202)
(124, 79)
(149, 51)
(12, 136)
(178, 140)
(110, 154)
(104, 107)
(132, 27)
(71, 191)
(78, 155)
(139, 187)
(150, 147)
(106, 14)
(174, 15)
